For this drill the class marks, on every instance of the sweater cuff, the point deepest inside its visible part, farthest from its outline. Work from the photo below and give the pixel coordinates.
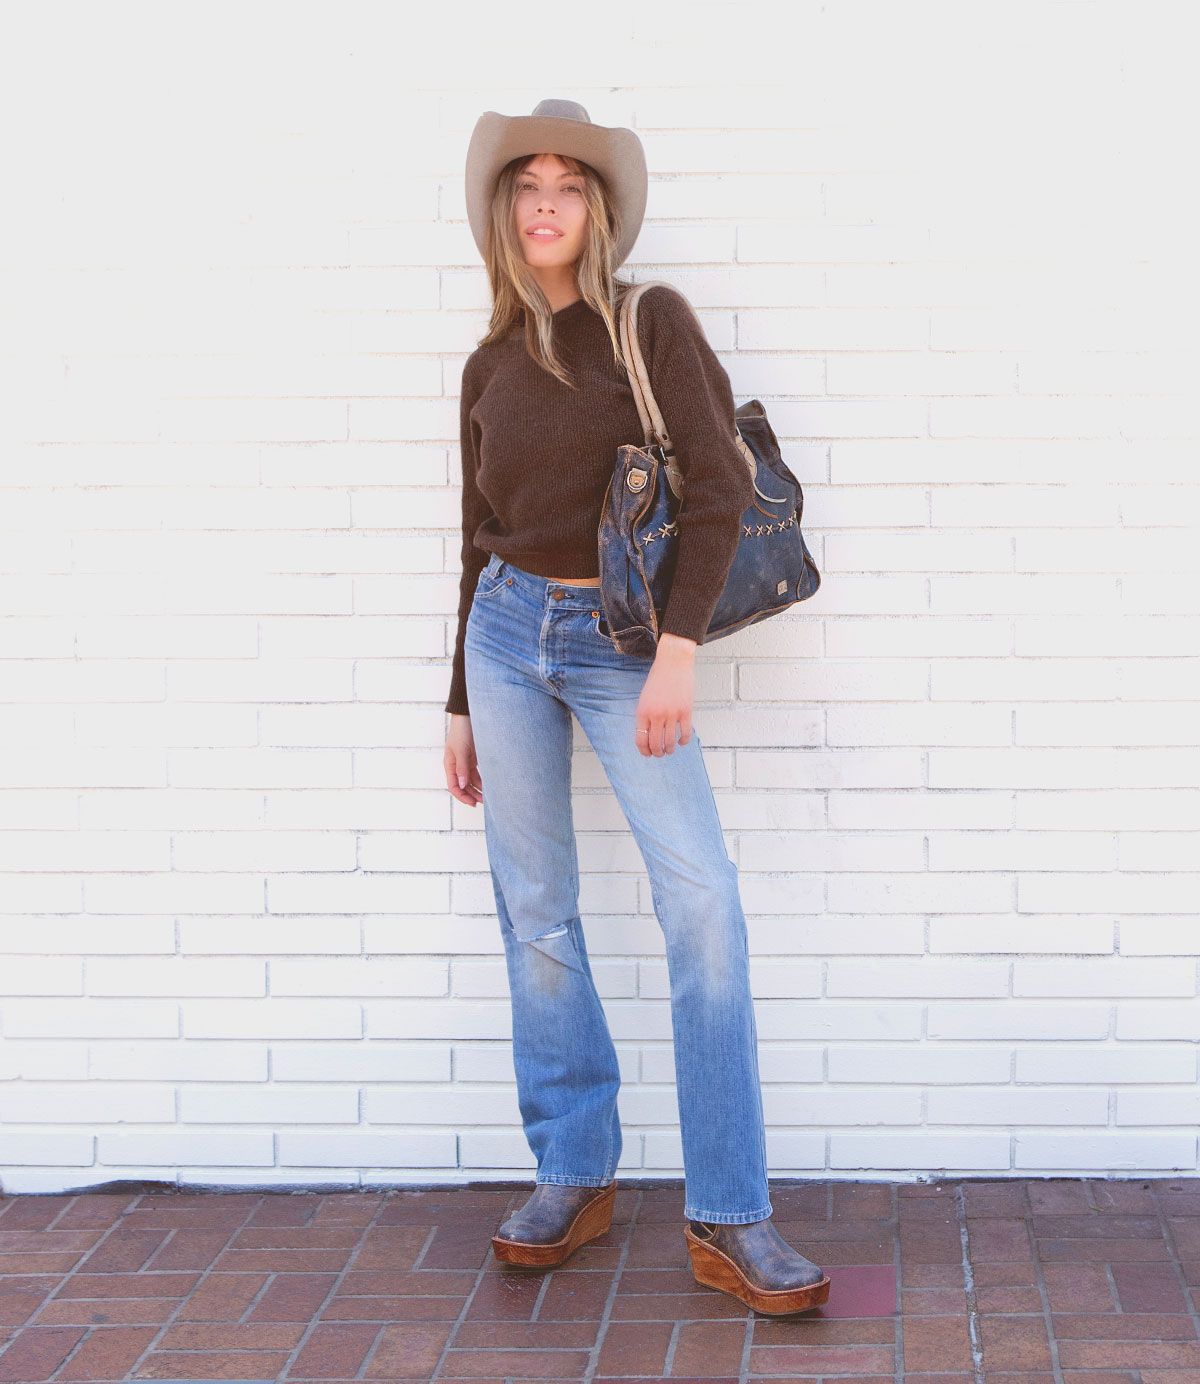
(456, 703)
(688, 613)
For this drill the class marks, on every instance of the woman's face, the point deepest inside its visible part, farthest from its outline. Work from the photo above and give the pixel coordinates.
(550, 196)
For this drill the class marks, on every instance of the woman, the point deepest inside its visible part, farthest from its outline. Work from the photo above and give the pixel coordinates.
(545, 405)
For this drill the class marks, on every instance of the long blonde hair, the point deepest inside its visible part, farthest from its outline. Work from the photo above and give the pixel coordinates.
(513, 286)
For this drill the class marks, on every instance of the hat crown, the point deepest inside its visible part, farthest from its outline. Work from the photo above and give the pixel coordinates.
(565, 110)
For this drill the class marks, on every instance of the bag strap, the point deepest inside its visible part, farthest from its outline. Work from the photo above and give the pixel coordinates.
(654, 427)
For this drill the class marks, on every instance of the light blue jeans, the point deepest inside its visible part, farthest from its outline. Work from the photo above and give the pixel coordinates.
(533, 655)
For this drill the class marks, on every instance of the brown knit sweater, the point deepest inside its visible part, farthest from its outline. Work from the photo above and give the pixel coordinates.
(538, 457)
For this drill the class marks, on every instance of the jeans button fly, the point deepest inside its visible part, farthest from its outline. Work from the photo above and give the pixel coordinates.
(558, 595)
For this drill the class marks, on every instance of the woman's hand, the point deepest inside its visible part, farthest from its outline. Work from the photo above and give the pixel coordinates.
(667, 697)
(462, 768)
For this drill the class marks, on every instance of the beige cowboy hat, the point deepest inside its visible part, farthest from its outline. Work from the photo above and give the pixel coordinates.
(557, 127)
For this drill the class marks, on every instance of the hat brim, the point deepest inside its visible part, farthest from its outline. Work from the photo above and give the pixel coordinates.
(614, 152)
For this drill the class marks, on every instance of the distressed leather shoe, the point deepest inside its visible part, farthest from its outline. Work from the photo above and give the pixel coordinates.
(553, 1223)
(755, 1263)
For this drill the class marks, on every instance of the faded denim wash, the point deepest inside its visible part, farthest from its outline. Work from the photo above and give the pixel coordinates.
(534, 653)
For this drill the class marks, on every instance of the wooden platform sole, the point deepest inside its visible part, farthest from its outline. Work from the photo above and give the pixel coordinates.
(716, 1269)
(592, 1220)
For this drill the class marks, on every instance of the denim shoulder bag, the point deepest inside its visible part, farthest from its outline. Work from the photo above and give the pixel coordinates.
(772, 567)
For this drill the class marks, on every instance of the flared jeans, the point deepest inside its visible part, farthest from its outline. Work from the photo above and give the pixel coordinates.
(534, 653)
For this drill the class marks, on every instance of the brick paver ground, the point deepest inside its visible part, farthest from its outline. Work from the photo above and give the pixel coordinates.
(978, 1282)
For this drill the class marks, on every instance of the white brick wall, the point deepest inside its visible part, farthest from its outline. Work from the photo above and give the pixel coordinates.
(246, 935)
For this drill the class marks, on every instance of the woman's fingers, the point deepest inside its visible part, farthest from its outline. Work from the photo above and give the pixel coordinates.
(463, 780)
(653, 737)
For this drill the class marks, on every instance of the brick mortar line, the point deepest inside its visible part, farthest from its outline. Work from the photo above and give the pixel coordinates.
(315, 1317)
(973, 1331)
(593, 1363)
(187, 1297)
(65, 1278)
(1043, 1294)
(898, 1301)
(456, 1325)
(1169, 1236)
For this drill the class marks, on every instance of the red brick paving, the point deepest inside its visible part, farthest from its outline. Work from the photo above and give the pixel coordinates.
(1067, 1281)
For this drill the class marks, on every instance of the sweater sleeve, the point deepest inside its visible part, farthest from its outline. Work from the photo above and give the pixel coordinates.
(474, 512)
(695, 397)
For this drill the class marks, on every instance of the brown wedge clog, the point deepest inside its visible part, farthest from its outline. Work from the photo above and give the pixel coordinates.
(755, 1264)
(553, 1223)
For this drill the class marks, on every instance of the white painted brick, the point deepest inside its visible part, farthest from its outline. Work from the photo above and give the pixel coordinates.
(175, 975)
(1017, 1105)
(1160, 850)
(926, 724)
(776, 1062)
(180, 1060)
(790, 1150)
(1161, 1019)
(926, 1064)
(907, 893)
(1021, 593)
(52, 1147)
(270, 1018)
(1013, 1019)
(832, 850)
(1099, 724)
(796, 1105)
(849, 935)
(887, 977)
(920, 1151)
(1021, 767)
(1060, 935)
(159, 1147)
(312, 934)
(1090, 893)
(459, 1105)
(90, 1018)
(1022, 850)
(43, 1059)
(357, 1061)
(1117, 809)
(354, 975)
(1158, 936)
(215, 1104)
(1147, 1107)
(920, 810)
(58, 1102)
(361, 1148)
(1127, 1063)
(1116, 976)
(1020, 680)
(500, 1149)
(42, 975)
(455, 1020)
(1110, 1150)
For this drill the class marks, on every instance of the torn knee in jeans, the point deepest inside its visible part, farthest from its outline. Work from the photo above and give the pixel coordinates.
(558, 944)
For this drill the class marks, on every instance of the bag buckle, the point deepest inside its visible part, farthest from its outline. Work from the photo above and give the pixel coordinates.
(636, 480)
